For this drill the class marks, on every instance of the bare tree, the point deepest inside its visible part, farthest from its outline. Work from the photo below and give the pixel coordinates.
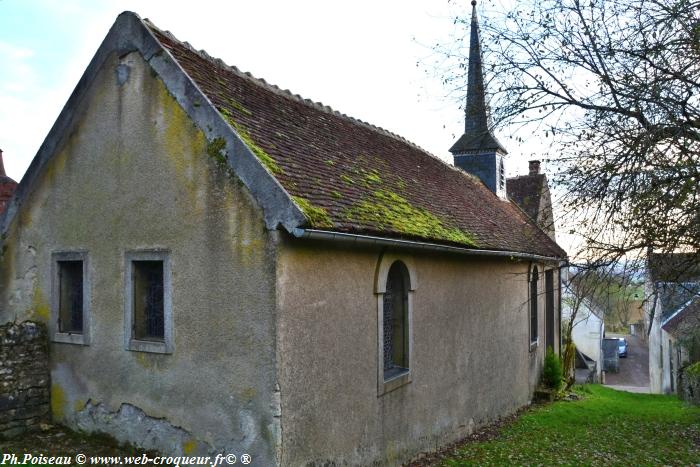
(587, 285)
(574, 301)
(615, 85)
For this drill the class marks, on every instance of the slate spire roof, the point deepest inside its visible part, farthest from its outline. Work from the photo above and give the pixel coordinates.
(477, 133)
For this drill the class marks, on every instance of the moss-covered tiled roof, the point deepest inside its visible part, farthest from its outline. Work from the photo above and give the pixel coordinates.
(349, 176)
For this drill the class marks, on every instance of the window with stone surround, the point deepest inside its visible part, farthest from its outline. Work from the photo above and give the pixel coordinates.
(534, 298)
(70, 297)
(395, 285)
(395, 321)
(148, 298)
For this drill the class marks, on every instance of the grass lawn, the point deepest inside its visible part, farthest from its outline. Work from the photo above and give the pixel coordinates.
(606, 427)
(60, 441)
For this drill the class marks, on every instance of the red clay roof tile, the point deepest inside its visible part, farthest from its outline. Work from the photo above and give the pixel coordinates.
(349, 176)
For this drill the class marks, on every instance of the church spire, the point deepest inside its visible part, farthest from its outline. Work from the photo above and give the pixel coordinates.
(477, 134)
(478, 151)
(476, 118)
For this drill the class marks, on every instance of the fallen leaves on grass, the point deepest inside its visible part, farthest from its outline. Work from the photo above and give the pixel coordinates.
(607, 427)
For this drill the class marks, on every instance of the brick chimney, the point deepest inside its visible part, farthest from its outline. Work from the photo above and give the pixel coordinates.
(534, 167)
(7, 186)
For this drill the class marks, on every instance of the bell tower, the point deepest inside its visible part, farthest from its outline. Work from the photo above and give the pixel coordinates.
(478, 151)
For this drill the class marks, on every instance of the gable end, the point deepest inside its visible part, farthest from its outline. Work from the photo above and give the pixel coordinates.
(129, 34)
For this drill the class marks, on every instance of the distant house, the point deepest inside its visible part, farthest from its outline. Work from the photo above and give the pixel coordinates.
(7, 186)
(684, 326)
(226, 267)
(588, 330)
(635, 315)
(673, 288)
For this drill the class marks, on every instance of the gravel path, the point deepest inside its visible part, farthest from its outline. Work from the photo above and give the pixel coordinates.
(634, 370)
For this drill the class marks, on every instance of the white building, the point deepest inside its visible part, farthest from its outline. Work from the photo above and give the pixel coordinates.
(672, 283)
(589, 328)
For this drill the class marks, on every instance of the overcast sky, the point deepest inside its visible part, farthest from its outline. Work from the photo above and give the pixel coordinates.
(359, 57)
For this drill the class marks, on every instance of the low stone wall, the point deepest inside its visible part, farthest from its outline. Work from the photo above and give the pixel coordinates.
(24, 377)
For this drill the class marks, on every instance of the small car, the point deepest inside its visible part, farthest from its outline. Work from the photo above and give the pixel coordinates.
(622, 347)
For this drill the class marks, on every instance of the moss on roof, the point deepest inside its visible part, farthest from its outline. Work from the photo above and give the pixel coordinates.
(392, 212)
(350, 176)
(269, 163)
(317, 216)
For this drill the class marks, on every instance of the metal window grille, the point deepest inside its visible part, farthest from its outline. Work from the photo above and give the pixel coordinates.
(533, 305)
(70, 277)
(76, 303)
(154, 304)
(148, 300)
(388, 324)
(501, 175)
(395, 321)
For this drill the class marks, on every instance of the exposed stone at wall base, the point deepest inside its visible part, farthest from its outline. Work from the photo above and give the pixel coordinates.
(129, 424)
(24, 378)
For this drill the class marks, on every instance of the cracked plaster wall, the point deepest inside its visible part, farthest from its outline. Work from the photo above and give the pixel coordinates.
(133, 173)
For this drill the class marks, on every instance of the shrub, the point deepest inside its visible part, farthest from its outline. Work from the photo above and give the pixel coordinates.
(552, 375)
(693, 370)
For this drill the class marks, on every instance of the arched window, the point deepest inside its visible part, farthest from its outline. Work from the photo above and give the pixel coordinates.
(395, 321)
(533, 304)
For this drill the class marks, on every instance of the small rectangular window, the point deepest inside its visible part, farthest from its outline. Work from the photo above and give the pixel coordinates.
(534, 297)
(148, 323)
(147, 278)
(70, 297)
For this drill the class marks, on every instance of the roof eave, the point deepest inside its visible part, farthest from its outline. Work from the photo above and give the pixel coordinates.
(477, 144)
(357, 239)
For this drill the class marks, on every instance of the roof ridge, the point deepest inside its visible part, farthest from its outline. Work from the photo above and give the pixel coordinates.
(526, 175)
(417, 158)
(286, 92)
(684, 306)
